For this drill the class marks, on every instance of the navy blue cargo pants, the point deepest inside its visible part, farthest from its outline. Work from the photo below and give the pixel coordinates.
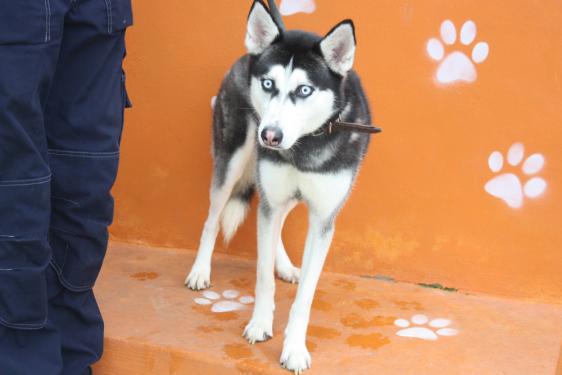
(62, 98)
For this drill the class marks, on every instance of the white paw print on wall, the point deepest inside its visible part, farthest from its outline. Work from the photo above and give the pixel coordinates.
(456, 65)
(229, 300)
(289, 7)
(420, 327)
(508, 186)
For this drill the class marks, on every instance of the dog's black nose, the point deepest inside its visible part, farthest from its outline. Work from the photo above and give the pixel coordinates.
(271, 136)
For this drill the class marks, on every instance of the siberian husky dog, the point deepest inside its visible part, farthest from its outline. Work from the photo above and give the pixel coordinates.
(270, 132)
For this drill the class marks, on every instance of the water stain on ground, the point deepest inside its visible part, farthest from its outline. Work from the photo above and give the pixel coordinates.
(322, 332)
(320, 304)
(238, 351)
(371, 341)
(344, 284)
(366, 303)
(143, 276)
(241, 283)
(209, 329)
(179, 364)
(311, 346)
(409, 305)
(252, 366)
(357, 321)
(223, 316)
(320, 293)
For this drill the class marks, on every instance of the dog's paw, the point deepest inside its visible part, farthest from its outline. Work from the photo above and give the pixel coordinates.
(198, 278)
(295, 357)
(257, 331)
(289, 273)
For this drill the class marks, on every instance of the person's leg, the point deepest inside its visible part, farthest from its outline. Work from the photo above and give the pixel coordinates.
(77, 318)
(30, 33)
(84, 118)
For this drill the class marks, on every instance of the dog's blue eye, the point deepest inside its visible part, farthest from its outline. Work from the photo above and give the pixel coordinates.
(267, 85)
(304, 91)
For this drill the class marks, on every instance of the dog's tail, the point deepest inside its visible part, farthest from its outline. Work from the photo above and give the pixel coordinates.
(276, 14)
(235, 212)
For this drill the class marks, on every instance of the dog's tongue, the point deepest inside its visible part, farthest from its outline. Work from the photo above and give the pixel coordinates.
(289, 7)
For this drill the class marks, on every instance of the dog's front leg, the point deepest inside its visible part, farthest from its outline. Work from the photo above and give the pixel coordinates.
(260, 327)
(295, 356)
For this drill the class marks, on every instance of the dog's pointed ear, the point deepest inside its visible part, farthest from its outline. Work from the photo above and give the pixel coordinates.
(261, 30)
(338, 47)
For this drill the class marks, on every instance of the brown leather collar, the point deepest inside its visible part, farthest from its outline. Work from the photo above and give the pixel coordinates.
(339, 125)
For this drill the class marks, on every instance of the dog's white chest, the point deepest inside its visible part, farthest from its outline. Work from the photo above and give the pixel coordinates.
(323, 192)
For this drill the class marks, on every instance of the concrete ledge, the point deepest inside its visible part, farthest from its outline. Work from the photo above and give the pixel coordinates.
(155, 326)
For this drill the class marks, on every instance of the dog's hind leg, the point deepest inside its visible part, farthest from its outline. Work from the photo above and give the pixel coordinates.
(200, 275)
(225, 199)
(283, 265)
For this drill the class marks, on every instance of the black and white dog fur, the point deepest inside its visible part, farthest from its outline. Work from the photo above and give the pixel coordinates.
(269, 132)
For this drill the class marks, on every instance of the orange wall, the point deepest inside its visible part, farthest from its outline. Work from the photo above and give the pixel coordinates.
(419, 211)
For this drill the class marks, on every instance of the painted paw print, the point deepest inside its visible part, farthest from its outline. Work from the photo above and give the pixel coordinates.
(456, 65)
(231, 302)
(425, 329)
(508, 186)
(289, 7)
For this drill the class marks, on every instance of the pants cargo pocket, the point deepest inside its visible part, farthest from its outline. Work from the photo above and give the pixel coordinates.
(82, 209)
(24, 251)
(119, 15)
(125, 102)
(77, 259)
(23, 290)
(25, 22)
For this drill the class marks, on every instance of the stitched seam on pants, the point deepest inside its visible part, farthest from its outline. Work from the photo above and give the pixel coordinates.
(66, 283)
(109, 16)
(16, 239)
(47, 20)
(23, 325)
(83, 154)
(74, 203)
(50, 14)
(26, 182)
